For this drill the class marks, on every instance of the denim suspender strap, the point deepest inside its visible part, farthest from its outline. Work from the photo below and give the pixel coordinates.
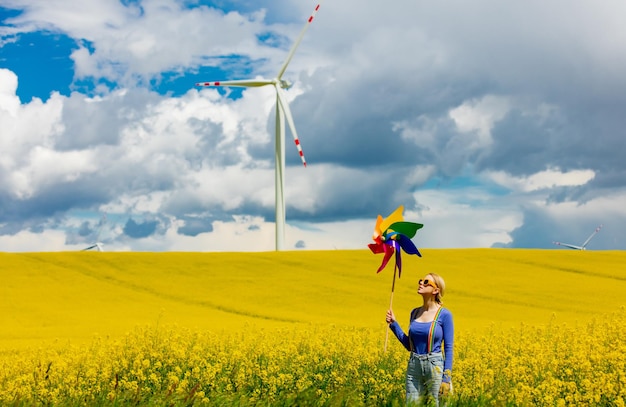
(413, 315)
(431, 332)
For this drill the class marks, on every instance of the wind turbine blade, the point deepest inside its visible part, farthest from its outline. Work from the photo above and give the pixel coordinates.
(592, 235)
(285, 106)
(248, 83)
(571, 246)
(295, 44)
(90, 247)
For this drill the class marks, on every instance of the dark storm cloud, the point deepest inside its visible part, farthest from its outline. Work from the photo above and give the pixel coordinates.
(529, 53)
(524, 144)
(354, 195)
(353, 125)
(47, 204)
(139, 230)
(610, 178)
(85, 229)
(561, 63)
(195, 226)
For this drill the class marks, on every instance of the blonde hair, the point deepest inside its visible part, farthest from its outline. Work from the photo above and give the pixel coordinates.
(441, 284)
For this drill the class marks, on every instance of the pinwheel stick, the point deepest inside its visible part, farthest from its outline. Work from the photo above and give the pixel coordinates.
(393, 286)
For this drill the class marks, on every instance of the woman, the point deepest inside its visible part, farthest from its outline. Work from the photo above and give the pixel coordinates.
(429, 370)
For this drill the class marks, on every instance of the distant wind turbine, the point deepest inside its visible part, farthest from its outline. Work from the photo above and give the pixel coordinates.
(282, 111)
(98, 245)
(584, 245)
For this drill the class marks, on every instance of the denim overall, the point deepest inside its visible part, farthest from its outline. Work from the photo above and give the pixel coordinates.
(424, 372)
(423, 376)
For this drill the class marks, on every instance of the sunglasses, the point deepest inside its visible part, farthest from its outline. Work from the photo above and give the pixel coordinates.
(428, 282)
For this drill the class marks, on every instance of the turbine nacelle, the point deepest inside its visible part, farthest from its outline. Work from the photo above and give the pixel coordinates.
(283, 83)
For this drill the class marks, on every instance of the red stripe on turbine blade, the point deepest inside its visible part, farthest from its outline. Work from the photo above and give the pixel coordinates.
(300, 152)
(314, 12)
(217, 84)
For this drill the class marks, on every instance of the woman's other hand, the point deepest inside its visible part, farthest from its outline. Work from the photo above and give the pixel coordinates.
(445, 389)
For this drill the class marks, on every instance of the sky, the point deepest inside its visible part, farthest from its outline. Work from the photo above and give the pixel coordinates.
(494, 124)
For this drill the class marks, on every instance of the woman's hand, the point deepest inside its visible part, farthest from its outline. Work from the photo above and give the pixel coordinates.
(445, 389)
(390, 317)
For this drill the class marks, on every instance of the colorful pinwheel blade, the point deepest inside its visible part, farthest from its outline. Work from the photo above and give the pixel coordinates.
(376, 247)
(388, 253)
(396, 216)
(398, 258)
(407, 245)
(405, 228)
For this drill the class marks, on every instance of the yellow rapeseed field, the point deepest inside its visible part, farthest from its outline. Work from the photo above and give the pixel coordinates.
(533, 327)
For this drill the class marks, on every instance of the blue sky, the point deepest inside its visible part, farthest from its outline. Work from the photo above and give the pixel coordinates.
(494, 125)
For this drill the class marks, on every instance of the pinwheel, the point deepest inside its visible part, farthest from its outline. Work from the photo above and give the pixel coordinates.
(393, 235)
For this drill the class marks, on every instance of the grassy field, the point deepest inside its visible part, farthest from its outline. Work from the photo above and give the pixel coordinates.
(58, 300)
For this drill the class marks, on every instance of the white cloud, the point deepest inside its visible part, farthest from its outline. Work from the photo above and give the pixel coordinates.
(26, 241)
(453, 219)
(550, 178)
(46, 167)
(9, 102)
(479, 116)
(27, 134)
(608, 209)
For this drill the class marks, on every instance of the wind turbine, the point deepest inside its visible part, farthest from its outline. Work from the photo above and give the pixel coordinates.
(98, 245)
(584, 245)
(282, 112)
